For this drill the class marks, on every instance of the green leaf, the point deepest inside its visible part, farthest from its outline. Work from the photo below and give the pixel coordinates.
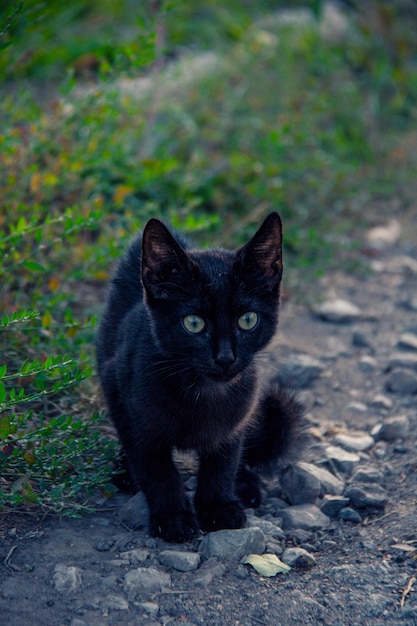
(5, 427)
(2, 392)
(267, 564)
(3, 371)
(34, 266)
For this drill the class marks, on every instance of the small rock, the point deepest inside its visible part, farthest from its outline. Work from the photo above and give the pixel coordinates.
(304, 482)
(367, 475)
(402, 381)
(135, 557)
(304, 516)
(135, 513)
(268, 528)
(343, 460)
(367, 364)
(361, 340)
(208, 571)
(331, 505)
(356, 407)
(114, 603)
(381, 402)
(338, 311)
(407, 341)
(299, 558)
(356, 442)
(104, 545)
(347, 514)
(145, 579)
(67, 579)
(366, 495)
(381, 237)
(299, 371)
(232, 545)
(404, 360)
(380, 449)
(299, 536)
(300, 486)
(393, 428)
(273, 547)
(180, 560)
(241, 572)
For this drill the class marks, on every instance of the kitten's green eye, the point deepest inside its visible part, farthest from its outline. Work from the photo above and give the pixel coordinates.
(248, 320)
(194, 323)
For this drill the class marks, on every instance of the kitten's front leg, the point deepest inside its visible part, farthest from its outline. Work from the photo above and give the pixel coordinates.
(170, 512)
(215, 501)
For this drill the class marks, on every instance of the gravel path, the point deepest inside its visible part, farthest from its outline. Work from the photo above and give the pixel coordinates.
(343, 516)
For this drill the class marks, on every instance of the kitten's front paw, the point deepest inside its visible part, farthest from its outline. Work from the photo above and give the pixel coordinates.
(174, 527)
(220, 515)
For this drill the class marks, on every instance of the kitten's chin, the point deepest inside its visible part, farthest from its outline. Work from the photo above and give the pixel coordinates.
(224, 377)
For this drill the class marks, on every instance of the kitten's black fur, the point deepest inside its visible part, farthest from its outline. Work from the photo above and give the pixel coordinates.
(168, 387)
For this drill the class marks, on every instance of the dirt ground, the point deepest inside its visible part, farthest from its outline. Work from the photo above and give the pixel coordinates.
(365, 570)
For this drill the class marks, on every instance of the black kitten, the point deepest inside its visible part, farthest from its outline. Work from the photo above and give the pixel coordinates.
(177, 358)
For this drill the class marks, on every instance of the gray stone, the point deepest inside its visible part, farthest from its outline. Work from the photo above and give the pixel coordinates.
(331, 505)
(358, 442)
(144, 579)
(272, 547)
(304, 483)
(298, 557)
(180, 560)
(381, 402)
(356, 407)
(367, 364)
(402, 381)
(367, 475)
(67, 578)
(135, 557)
(114, 602)
(380, 237)
(347, 514)
(408, 361)
(393, 428)
(343, 460)
(366, 495)
(407, 341)
(208, 571)
(135, 513)
(299, 371)
(304, 516)
(300, 486)
(268, 528)
(361, 340)
(338, 311)
(232, 545)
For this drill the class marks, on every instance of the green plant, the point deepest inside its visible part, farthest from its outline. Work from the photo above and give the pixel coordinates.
(49, 456)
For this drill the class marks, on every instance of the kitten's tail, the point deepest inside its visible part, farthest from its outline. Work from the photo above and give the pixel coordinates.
(278, 433)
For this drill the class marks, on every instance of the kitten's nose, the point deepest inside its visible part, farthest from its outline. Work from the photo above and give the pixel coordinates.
(225, 357)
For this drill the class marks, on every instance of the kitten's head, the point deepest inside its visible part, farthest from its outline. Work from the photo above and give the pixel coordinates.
(212, 310)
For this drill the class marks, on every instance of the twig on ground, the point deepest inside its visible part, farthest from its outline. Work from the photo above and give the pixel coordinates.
(407, 590)
(9, 556)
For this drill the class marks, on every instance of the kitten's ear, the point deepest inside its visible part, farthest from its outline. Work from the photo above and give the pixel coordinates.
(163, 260)
(263, 253)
